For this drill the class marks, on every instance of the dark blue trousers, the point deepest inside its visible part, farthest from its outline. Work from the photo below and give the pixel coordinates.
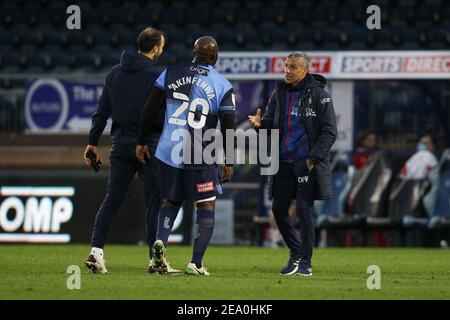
(123, 167)
(293, 181)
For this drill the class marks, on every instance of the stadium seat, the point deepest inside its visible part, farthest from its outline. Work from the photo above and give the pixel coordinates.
(400, 15)
(439, 39)
(368, 194)
(303, 36)
(437, 201)
(330, 38)
(445, 17)
(342, 173)
(404, 200)
(401, 36)
(72, 38)
(252, 15)
(355, 38)
(11, 114)
(427, 15)
(301, 12)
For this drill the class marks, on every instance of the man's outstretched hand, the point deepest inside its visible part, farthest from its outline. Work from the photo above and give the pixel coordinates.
(256, 119)
(141, 152)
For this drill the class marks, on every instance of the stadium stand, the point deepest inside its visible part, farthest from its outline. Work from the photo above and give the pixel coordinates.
(367, 196)
(404, 200)
(411, 205)
(256, 25)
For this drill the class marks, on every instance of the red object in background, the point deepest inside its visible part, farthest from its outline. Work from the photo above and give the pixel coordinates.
(380, 239)
(349, 241)
(318, 64)
(360, 160)
(404, 171)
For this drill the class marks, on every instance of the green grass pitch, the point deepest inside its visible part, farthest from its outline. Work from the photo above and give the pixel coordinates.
(39, 272)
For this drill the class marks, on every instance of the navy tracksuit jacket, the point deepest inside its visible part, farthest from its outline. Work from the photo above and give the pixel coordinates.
(307, 123)
(127, 87)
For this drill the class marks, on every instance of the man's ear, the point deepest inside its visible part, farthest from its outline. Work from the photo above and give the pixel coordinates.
(305, 72)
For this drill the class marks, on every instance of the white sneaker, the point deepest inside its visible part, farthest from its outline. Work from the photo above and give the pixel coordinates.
(171, 270)
(96, 263)
(193, 270)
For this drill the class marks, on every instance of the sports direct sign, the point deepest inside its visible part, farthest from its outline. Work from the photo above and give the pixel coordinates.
(395, 65)
(341, 65)
(265, 65)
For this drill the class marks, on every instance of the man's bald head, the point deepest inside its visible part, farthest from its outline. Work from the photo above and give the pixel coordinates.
(206, 50)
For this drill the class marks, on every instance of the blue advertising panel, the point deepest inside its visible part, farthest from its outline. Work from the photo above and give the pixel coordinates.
(58, 106)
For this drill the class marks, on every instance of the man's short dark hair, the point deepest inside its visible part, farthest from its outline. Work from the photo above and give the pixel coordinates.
(148, 39)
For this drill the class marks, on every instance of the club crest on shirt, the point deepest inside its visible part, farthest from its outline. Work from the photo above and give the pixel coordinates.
(309, 112)
(166, 223)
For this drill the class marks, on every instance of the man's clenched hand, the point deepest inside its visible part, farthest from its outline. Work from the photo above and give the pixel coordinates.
(226, 174)
(94, 150)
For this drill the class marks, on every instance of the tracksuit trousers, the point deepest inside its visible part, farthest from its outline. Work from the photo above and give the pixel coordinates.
(293, 181)
(123, 167)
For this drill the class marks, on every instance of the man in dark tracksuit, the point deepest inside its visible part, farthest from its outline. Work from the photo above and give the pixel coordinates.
(303, 112)
(127, 87)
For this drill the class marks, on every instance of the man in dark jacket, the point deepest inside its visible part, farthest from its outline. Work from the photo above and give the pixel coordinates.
(127, 87)
(303, 112)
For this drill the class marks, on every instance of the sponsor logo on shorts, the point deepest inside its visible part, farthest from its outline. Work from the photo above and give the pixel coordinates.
(205, 187)
(167, 223)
